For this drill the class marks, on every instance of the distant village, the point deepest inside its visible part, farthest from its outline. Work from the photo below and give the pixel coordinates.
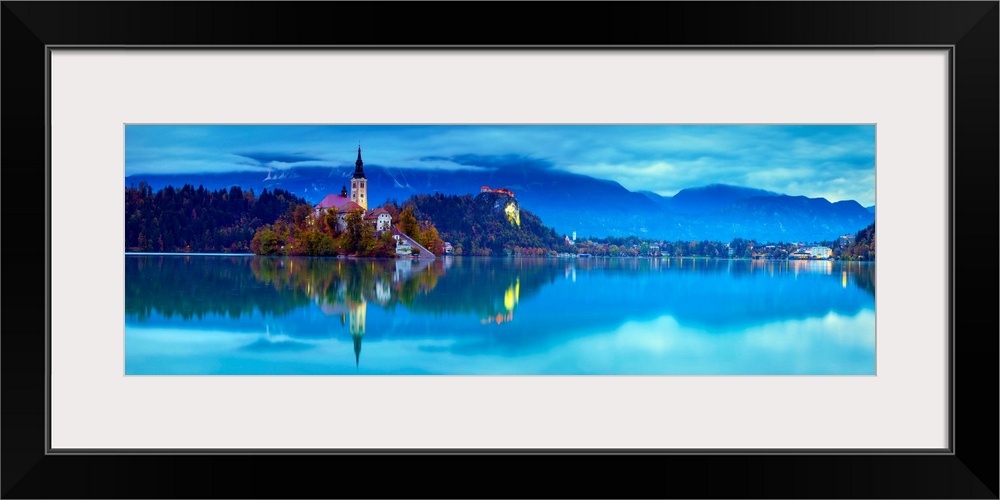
(733, 250)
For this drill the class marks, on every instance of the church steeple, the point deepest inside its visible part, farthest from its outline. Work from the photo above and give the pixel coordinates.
(359, 183)
(359, 173)
(357, 349)
(358, 314)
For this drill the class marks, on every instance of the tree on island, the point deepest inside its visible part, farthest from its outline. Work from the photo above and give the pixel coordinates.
(295, 233)
(300, 232)
(425, 233)
(360, 238)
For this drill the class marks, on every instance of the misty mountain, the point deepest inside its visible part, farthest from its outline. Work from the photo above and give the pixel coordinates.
(787, 219)
(572, 202)
(711, 199)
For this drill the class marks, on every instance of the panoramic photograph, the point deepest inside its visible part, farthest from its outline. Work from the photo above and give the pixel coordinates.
(369, 250)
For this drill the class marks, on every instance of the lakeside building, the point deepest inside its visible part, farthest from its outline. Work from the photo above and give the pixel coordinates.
(812, 253)
(380, 218)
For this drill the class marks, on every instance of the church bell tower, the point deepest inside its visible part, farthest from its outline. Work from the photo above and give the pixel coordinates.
(359, 184)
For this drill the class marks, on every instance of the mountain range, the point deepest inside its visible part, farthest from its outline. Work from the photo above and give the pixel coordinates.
(571, 202)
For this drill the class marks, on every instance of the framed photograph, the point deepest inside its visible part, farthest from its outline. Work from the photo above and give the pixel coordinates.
(291, 264)
(659, 254)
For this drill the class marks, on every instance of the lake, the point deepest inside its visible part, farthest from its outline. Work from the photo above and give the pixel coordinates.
(251, 315)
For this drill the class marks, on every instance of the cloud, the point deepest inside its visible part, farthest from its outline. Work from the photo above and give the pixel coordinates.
(832, 161)
(278, 156)
(494, 162)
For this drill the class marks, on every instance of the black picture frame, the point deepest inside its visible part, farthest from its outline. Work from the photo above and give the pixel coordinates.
(970, 470)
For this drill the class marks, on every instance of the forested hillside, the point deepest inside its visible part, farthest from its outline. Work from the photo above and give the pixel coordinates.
(193, 219)
(487, 224)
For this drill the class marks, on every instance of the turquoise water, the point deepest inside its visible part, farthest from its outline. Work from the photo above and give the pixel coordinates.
(249, 315)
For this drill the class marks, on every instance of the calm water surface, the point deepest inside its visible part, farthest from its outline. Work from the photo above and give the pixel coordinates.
(208, 314)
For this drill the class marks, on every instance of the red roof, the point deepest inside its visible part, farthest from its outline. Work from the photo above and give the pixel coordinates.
(378, 211)
(341, 203)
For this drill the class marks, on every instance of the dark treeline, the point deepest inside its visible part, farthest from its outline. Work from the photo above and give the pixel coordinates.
(186, 287)
(193, 219)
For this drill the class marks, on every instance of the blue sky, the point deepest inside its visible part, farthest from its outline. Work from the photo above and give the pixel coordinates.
(836, 162)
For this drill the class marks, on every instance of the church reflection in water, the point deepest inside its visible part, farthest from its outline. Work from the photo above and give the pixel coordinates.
(343, 288)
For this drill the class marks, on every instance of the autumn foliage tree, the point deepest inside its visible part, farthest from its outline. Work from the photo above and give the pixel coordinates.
(297, 232)
(424, 233)
(430, 240)
(863, 246)
(408, 223)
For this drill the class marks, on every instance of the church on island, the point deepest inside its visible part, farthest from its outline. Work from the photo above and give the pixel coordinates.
(345, 203)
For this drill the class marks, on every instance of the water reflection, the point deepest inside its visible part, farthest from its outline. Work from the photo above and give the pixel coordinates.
(244, 314)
